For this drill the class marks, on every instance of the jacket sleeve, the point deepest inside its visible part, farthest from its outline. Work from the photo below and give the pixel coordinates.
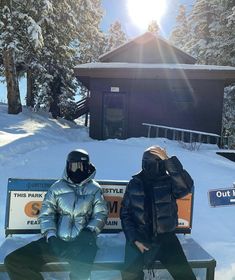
(182, 181)
(128, 225)
(99, 214)
(47, 216)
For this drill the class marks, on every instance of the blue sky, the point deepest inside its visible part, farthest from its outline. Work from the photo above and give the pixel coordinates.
(117, 10)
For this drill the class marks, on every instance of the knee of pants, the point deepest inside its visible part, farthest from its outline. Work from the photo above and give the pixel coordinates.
(9, 259)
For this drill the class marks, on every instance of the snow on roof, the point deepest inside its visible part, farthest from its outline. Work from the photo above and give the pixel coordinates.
(124, 65)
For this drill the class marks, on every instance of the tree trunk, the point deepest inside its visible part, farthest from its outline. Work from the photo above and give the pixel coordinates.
(13, 93)
(30, 94)
(55, 93)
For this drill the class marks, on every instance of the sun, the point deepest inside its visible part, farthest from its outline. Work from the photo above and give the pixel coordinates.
(142, 12)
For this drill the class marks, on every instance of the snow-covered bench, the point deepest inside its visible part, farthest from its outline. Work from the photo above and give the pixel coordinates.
(24, 198)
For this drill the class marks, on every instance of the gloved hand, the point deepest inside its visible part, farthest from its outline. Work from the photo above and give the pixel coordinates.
(55, 245)
(87, 237)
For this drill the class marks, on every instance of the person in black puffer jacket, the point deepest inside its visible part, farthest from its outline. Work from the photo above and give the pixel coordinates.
(149, 216)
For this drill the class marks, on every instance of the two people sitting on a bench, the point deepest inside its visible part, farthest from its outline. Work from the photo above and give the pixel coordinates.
(149, 216)
(73, 212)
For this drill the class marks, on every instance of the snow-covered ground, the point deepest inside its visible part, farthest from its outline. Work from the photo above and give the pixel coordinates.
(35, 146)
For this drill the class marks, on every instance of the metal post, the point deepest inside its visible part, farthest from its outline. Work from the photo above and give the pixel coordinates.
(165, 134)
(190, 137)
(157, 131)
(149, 130)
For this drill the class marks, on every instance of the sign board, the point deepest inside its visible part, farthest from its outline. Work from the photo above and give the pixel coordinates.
(222, 197)
(25, 197)
(24, 209)
(113, 193)
(114, 89)
(185, 212)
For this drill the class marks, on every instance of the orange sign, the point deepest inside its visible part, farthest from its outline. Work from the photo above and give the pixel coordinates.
(184, 211)
(32, 208)
(114, 204)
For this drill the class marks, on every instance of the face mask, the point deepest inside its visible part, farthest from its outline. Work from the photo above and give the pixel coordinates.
(77, 171)
(77, 176)
(153, 168)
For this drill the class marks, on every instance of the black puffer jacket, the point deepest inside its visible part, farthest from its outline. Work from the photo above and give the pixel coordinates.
(166, 189)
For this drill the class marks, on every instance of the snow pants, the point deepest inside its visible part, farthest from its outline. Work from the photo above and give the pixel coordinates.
(26, 262)
(170, 254)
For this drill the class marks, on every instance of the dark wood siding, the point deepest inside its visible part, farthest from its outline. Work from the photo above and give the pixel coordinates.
(96, 105)
(195, 105)
(151, 52)
(100, 87)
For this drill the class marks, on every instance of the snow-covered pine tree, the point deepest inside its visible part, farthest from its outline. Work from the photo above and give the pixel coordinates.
(224, 36)
(8, 46)
(77, 24)
(55, 83)
(181, 32)
(43, 36)
(115, 36)
(229, 116)
(90, 41)
(153, 27)
(207, 32)
(27, 36)
(203, 15)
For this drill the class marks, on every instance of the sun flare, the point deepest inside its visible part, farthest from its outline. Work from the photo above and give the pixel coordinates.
(142, 12)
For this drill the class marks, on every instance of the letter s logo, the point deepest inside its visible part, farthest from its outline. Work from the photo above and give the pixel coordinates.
(32, 208)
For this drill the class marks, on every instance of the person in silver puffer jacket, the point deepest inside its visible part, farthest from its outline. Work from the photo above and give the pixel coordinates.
(69, 207)
(73, 212)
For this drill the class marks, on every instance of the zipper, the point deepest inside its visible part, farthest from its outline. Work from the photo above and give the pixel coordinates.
(72, 214)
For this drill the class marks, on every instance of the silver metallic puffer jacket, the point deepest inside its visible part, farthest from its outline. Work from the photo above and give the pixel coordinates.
(68, 208)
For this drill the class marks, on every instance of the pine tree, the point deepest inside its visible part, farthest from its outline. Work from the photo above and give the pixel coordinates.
(26, 35)
(153, 27)
(115, 36)
(180, 34)
(67, 22)
(55, 83)
(44, 32)
(89, 40)
(227, 57)
(204, 14)
(8, 45)
(229, 116)
(224, 35)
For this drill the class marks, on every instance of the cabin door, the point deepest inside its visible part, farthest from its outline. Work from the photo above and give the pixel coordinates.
(115, 116)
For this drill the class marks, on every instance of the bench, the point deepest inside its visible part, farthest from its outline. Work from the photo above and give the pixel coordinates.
(24, 198)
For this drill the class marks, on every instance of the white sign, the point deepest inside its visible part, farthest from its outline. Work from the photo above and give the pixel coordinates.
(114, 89)
(24, 209)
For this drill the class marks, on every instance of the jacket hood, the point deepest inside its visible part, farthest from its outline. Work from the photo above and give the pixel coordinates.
(90, 176)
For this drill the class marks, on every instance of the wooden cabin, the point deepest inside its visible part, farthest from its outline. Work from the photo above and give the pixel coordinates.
(147, 80)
